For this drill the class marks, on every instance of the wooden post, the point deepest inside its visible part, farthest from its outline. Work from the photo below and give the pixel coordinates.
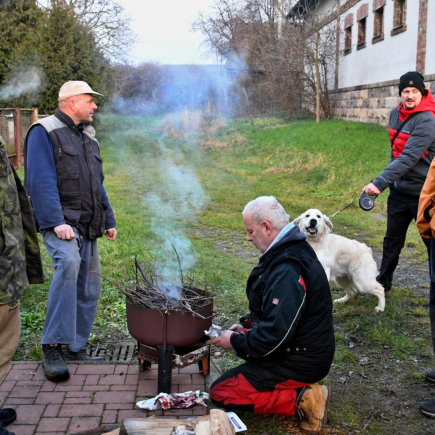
(17, 134)
(34, 114)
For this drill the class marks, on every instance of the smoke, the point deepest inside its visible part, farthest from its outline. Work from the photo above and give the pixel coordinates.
(24, 81)
(180, 103)
(175, 88)
(175, 204)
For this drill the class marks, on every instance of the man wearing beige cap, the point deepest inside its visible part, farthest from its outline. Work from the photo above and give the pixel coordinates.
(64, 177)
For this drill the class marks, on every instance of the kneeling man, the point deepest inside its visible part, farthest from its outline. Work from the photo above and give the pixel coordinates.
(287, 339)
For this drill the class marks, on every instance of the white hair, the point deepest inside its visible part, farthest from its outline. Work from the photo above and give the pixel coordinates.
(267, 208)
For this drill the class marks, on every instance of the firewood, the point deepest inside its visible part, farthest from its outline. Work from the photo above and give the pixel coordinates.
(203, 428)
(220, 423)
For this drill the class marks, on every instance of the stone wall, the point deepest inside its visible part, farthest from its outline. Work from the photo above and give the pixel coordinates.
(369, 103)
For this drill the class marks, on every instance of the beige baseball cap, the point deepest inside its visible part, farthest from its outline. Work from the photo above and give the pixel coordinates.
(73, 88)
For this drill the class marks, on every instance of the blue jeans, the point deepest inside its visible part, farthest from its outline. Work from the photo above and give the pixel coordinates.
(74, 291)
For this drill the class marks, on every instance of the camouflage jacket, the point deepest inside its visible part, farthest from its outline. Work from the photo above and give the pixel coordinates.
(20, 260)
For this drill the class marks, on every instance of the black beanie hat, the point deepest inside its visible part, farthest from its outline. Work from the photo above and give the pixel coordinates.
(412, 79)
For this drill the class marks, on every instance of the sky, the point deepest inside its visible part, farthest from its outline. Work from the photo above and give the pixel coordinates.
(164, 30)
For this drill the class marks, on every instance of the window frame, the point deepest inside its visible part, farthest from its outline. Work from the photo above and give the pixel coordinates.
(379, 14)
(399, 27)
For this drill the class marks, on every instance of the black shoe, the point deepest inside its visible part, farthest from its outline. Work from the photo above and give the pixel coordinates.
(430, 376)
(81, 355)
(428, 408)
(7, 416)
(386, 283)
(4, 431)
(53, 363)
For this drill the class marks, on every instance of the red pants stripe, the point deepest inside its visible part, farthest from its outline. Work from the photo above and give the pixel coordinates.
(236, 391)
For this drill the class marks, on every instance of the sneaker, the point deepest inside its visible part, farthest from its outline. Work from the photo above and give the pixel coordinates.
(81, 355)
(54, 364)
(313, 404)
(428, 408)
(7, 416)
(430, 376)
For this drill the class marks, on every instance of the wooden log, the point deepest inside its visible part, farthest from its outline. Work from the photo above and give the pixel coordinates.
(145, 426)
(220, 423)
(203, 428)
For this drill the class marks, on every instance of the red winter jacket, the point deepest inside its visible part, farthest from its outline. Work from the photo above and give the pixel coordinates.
(413, 148)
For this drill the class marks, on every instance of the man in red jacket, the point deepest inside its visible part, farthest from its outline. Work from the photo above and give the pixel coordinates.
(412, 137)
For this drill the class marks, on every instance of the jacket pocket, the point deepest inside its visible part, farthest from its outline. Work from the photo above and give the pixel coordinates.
(70, 164)
(71, 207)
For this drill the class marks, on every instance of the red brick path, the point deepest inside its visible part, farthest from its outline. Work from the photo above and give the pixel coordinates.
(93, 396)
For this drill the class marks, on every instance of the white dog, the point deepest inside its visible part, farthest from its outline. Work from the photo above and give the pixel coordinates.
(348, 262)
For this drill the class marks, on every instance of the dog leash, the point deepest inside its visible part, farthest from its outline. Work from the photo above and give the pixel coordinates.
(366, 203)
(344, 208)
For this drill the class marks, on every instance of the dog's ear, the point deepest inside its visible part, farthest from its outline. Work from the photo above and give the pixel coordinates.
(328, 222)
(297, 220)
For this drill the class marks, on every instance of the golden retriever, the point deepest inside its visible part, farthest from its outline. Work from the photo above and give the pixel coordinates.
(347, 262)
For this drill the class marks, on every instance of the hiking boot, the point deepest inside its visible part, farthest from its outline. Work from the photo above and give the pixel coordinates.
(430, 376)
(7, 416)
(81, 355)
(53, 363)
(312, 404)
(428, 408)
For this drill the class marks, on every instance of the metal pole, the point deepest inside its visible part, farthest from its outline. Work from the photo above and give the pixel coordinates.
(17, 134)
(34, 115)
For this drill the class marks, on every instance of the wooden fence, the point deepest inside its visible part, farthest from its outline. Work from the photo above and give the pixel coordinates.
(14, 124)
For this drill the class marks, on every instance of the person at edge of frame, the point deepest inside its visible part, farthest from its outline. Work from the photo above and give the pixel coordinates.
(412, 137)
(20, 265)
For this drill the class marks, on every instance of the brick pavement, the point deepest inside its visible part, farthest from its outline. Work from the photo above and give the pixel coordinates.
(95, 395)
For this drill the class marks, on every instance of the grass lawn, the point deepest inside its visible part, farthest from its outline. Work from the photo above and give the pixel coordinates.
(168, 184)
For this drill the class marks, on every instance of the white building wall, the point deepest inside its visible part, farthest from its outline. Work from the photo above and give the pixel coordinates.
(385, 60)
(430, 43)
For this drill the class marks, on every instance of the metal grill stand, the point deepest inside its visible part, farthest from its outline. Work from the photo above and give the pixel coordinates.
(168, 358)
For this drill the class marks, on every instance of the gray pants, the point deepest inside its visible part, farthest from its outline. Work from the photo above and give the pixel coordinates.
(74, 291)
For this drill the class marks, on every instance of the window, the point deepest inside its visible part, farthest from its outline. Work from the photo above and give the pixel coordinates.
(361, 34)
(399, 17)
(348, 40)
(378, 30)
(348, 21)
(399, 13)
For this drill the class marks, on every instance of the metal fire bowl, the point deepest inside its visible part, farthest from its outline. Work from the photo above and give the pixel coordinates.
(183, 328)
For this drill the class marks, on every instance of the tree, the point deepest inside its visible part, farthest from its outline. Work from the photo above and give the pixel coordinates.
(282, 58)
(20, 20)
(106, 19)
(68, 51)
(314, 34)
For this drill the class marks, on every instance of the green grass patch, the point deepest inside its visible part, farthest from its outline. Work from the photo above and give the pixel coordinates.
(166, 183)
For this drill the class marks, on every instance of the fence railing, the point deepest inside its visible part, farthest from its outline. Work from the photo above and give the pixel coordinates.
(14, 124)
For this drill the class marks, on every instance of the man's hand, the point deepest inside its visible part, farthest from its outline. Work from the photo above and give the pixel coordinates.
(235, 327)
(64, 232)
(371, 190)
(111, 233)
(223, 340)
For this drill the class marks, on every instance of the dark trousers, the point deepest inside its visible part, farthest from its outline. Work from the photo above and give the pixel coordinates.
(401, 211)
